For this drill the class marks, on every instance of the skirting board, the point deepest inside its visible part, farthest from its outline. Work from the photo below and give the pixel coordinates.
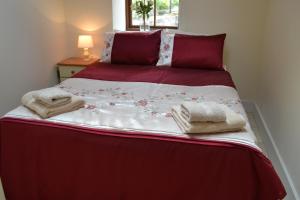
(272, 150)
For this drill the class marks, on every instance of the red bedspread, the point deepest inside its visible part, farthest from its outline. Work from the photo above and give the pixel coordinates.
(153, 74)
(42, 160)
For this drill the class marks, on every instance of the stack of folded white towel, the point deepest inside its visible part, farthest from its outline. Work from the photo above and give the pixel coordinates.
(207, 117)
(51, 102)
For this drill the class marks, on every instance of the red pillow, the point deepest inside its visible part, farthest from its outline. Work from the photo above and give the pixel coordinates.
(140, 48)
(198, 51)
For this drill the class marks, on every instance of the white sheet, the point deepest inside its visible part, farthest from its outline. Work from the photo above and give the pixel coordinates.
(146, 107)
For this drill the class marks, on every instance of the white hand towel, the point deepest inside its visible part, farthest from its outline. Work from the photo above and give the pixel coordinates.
(203, 112)
(52, 97)
(234, 122)
(30, 102)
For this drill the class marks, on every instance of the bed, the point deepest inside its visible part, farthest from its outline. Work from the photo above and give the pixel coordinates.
(124, 144)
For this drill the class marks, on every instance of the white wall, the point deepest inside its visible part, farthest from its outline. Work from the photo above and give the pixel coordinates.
(279, 98)
(32, 40)
(119, 13)
(243, 21)
(92, 17)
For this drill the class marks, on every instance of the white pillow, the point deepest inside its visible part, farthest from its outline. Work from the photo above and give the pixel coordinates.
(108, 42)
(166, 48)
(167, 44)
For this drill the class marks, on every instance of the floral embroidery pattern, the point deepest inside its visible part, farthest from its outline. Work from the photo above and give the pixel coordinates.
(90, 107)
(168, 115)
(108, 41)
(153, 104)
(166, 49)
(142, 103)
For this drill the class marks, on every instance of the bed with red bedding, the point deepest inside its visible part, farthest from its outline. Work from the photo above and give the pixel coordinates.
(125, 145)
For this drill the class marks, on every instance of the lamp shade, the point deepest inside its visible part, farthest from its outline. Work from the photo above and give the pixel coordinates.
(85, 41)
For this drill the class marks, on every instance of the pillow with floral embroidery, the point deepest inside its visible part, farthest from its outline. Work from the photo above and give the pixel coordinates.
(166, 46)
(166, 49)
(192, 51)
(108, 44)
(132, 48)
(136, 48)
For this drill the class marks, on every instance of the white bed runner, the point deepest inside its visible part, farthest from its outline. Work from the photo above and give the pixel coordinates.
(144, 107)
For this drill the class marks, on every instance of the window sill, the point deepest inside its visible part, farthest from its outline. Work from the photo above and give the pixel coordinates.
(136, 28)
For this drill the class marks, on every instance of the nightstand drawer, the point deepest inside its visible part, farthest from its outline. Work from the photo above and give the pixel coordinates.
(69, 71)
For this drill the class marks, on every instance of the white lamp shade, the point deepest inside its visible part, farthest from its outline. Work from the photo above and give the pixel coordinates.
(85, 41)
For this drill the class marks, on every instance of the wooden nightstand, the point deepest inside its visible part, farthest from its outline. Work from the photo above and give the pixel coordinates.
(71, 66)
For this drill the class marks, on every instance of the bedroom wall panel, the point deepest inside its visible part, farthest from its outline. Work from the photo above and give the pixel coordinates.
(32, 40)
(92, 17)
(119, 21)
(279, 83)
(244, 22)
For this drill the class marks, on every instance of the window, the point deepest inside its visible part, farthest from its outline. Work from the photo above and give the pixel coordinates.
(164, 15)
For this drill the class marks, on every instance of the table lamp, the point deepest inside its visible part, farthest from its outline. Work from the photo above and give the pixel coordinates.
(85, 42)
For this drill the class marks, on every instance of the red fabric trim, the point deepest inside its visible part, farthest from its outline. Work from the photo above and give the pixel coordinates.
(154, 74)
(42, 160)
(140, 48)
(204, 52)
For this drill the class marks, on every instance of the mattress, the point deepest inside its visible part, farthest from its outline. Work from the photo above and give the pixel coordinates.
(128, 114)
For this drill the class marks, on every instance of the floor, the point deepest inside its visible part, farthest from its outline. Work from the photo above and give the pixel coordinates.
(263, 142)
(1, 192)
(256, 130)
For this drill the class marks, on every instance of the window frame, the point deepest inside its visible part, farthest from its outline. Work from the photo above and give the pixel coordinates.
(131, 27)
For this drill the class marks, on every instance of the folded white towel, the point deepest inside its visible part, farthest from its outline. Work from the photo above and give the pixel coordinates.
(30, 102)
(234, 122)
(203, 112)
(52, 97)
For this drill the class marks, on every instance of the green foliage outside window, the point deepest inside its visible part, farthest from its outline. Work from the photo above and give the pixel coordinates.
(165, 14)
(166, 4)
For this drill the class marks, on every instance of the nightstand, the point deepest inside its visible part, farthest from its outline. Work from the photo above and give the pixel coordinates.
(71, 66)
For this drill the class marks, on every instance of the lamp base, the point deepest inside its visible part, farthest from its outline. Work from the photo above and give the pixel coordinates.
(86, 54)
